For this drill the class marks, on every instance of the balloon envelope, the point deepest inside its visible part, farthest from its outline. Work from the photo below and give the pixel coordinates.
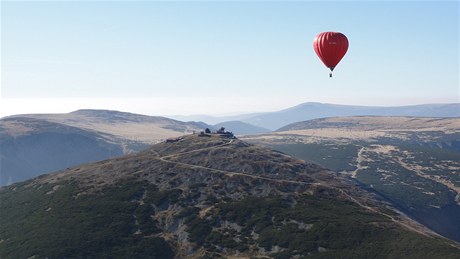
(330, 48)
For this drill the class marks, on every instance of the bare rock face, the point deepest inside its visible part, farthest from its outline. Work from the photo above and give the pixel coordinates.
(204, 197)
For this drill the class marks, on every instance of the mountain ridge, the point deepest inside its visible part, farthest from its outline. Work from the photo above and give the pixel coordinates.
(205, 196)
(102, 120)
(68, 139)
(241, 128)
(313, 110)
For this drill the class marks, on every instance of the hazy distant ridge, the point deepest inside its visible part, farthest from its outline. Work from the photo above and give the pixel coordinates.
(314, 110)
(33, 144)
(308, 111)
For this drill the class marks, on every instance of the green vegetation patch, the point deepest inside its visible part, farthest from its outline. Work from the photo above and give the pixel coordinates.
(336, 157)
(404, 187)
(306, 225)
(62, 220)
(59, 221)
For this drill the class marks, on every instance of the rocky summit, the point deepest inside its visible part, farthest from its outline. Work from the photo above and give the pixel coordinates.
(205, 196)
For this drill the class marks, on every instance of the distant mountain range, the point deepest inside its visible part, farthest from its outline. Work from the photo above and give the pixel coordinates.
(313, 110)
(90, 135)
(37, 143)
(32, 144)
(241, 128)
(207, 196)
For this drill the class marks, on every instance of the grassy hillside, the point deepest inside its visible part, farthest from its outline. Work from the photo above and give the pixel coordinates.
(412, 162)
(58, 221)
(190, 199)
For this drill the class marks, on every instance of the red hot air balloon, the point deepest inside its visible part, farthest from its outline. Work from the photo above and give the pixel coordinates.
(330, 48)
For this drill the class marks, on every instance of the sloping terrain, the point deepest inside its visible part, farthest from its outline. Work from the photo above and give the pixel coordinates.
(205, 197)
(122, 125)
(413, 162)
(30, 147)
(34, 144)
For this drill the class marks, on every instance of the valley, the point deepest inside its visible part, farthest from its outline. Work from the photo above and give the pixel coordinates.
(413, 162)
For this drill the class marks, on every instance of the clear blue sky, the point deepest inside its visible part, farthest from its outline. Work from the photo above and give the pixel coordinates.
(215, 57)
